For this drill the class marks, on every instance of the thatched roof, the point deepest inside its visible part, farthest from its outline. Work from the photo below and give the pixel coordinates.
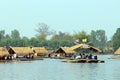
(85, 46)
(20, 51)
(3, 51)
(66, 50)
(40, 50)
(117, 51)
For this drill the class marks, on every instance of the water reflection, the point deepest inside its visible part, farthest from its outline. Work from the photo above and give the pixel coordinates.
(54, 69)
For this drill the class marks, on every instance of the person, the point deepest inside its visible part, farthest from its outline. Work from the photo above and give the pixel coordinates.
(83, 56)
(90, 56)
(49, 55)
(80, 55)
(95, 57)
(77, 57)
(73, 57)
(35, 53)
(14, 56)
(58, 55)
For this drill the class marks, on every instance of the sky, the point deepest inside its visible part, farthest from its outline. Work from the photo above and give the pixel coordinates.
(61, 15)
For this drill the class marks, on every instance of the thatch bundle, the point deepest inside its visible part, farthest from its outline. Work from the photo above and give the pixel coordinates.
(20, 51)
(3, 52)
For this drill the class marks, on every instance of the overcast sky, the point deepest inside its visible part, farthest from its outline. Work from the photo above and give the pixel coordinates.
(60, 15)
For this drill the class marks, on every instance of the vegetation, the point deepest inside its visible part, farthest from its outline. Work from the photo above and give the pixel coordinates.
(96, 38)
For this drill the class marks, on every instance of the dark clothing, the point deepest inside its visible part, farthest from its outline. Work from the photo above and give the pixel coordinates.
(95, 57)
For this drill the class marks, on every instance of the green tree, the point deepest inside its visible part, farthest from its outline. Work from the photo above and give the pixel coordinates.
(2, 34)
(25, 41)
(34, 42)
(116, 39)
(62, 36)
(15, 34)
(43, 31)
(63, 39)
(98, 38)
(81, 35)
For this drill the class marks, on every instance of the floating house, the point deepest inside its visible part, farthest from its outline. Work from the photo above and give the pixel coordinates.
(85, 46)
(40, 51)
(64, 51)
(3, 52)
(20, 51)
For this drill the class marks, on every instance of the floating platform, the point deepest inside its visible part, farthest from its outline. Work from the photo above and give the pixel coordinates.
(31, 59)
(83, 61)
(14, 60)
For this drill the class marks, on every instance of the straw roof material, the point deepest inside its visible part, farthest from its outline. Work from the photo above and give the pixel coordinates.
(66, 50)
(40, 50)
(3, 51)
(117, 51)
(85, 46)
(20, 51)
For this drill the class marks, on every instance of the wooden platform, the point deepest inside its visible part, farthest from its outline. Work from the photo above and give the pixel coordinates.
(5, 61)
(35, 58)
(83, 61)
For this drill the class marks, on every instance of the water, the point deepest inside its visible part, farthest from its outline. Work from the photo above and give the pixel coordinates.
(54, 69)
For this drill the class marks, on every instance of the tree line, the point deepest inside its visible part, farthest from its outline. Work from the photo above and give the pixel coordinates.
(96, 38)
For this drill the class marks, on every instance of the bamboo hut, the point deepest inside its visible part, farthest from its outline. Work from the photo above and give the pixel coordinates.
(40, 51)
(20, 51)
(64, 51)
(117, 51)
(3, 52)
(85, 46)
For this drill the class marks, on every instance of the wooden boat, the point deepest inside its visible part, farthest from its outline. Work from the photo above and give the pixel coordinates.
(83, 61)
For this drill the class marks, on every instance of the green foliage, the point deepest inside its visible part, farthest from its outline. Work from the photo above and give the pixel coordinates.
(81, 35)
(98, 39)
(61, 39)
(2, 34)
(15, 34)
(116, 39)
(43, 31)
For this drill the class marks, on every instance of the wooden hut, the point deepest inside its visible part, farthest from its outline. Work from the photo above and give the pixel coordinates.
(40, 51)
(3, 52)
(85, 46)
(64, 51)
(20, 51)
(117, 51)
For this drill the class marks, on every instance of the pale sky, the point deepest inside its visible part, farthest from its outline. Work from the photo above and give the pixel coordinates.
(60, 15)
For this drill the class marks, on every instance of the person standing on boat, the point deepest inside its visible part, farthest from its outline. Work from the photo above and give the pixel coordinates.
(90, 56)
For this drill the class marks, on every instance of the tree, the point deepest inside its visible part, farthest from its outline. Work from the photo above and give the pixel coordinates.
(80, 36)
(2, 34)
(62, 36)
(98, 38)
(43, 31)
(34, 42)
(15, 34)
(116, 39)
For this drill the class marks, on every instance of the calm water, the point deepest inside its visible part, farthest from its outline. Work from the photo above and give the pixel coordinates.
(54, 69)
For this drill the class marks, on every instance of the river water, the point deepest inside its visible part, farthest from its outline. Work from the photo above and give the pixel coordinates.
(54, 69)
